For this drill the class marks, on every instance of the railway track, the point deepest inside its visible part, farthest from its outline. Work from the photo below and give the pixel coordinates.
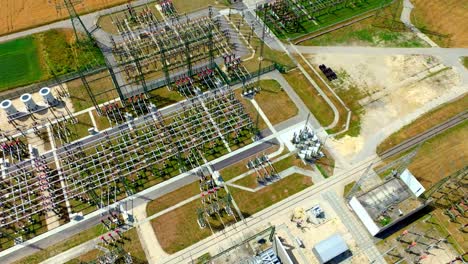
(316, 189)
(435, 130)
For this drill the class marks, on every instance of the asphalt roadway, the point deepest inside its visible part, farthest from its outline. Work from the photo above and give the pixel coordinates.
(87, 223)
(92, 221)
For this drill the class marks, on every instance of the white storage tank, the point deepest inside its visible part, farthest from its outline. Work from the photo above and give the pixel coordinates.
(49, 98)
(8, 107)
(28, 102)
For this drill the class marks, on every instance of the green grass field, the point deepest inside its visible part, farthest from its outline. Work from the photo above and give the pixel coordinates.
(339, 14)
(384, 29)
(19, 63)
(32, 59)
(364, 33)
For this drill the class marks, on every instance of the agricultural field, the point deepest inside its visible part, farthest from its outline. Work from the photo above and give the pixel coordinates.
(17, 15)
(40, 56)
(447, 17)
(441, 156)
(20, 63)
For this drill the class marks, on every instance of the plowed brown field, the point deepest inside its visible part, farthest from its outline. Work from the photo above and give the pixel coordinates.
(445, 17)
(16, 15)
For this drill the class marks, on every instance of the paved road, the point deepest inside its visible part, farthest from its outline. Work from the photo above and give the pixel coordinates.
(89, 20)
(274, 43)
(141, 198)
(261, 218)
(406, 18)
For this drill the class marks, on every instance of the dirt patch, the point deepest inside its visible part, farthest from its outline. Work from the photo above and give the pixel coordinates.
(399, 88)
(445, 17)
(16, 15)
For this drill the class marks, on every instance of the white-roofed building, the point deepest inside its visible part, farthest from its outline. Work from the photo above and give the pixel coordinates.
(388, 203)
(330, 248)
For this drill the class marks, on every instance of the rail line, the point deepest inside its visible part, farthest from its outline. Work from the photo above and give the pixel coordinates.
(316, 189)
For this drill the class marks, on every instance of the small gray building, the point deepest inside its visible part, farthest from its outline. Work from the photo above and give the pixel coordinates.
(330, 248)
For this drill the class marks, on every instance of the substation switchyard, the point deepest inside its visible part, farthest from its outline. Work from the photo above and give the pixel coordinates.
(167, 142)
(145, 144)
(119, 162)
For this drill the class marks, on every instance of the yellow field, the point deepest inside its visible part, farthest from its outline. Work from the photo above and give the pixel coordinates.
(17, 15)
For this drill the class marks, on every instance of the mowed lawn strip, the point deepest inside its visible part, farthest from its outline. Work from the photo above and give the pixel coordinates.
(185, 6)
(179, 228)
(97, 82)
(253, 202)
(441, 156)
(425, 122)
(250, 109)
(275, 102)
(19, 63)
(64, 245)
(173, 198)
(131, 245)
(311, 98)
(249, 181)
(240, 167)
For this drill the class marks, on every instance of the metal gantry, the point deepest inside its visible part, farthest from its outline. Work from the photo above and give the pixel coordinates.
(129, 157)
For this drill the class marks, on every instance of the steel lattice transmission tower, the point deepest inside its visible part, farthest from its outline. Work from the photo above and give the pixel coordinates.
(77, 23)
(85, 39)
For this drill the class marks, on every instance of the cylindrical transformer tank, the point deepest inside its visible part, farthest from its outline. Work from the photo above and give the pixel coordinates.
(28, 102)
(49, 98)
(8, 107)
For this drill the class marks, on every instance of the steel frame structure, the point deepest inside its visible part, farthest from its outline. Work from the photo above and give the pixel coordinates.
(94, 170)
(146, 46)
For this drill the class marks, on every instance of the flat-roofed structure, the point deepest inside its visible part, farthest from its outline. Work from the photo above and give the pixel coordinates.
(386, 204)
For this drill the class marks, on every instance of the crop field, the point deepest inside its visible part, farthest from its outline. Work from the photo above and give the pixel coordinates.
(16, 15)
(445, 17)
(19, 63)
